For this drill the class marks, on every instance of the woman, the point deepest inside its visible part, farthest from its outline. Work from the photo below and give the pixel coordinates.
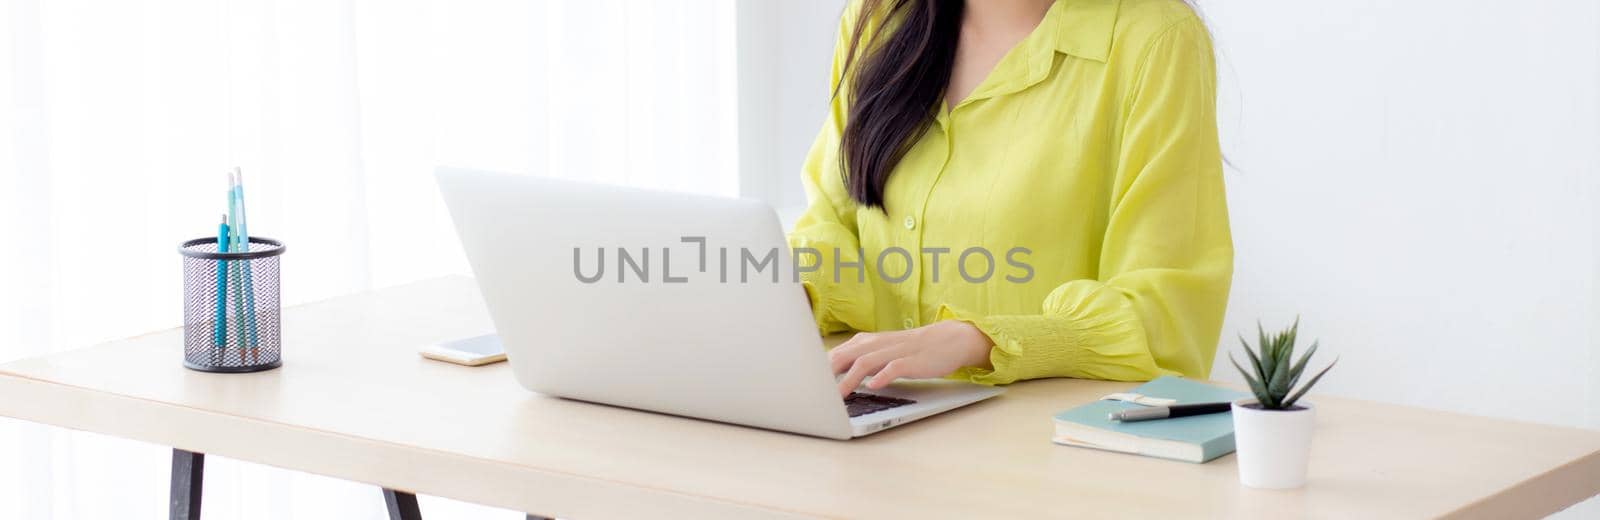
(1068, 149)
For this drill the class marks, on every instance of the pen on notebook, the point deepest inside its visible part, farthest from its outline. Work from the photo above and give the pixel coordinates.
(219, 330)
(1169, 412)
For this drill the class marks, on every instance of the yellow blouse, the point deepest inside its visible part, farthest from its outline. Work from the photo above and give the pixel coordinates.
(1083, 176)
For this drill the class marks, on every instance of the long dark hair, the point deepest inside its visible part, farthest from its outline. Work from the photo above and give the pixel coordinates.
(895, 91)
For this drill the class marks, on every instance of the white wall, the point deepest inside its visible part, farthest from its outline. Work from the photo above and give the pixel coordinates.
(1416, 179)
(785, 49)
(117, 119)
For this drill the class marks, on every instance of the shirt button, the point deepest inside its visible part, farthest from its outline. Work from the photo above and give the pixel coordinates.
(911, 223)
(909, 324)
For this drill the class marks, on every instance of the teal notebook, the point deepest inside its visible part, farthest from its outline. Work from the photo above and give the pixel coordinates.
(1193, 439)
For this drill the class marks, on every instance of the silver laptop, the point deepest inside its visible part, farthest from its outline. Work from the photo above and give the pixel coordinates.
(672, 303)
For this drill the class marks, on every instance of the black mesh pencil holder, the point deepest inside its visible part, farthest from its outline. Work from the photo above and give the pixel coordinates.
(230, 306)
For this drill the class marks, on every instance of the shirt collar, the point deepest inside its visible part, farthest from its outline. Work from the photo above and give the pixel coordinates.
(1079, 28)
(1083, 28)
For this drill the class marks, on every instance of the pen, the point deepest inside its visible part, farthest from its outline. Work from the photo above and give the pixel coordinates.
(249, 285)
(219, 330)
(1168, 412)
(235, 268)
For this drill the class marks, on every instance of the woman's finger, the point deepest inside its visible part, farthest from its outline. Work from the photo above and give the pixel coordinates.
(864, 366)
(844, 355)
(898, 368)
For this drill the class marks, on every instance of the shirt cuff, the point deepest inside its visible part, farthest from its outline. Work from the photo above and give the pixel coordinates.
(838, 305)
(1086, 330)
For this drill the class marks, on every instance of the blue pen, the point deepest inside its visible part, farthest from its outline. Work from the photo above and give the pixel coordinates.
(234, 268)
(244, 245)
(219, 329)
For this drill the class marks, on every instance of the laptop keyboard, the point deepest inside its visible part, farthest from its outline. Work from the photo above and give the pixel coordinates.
(859, 404)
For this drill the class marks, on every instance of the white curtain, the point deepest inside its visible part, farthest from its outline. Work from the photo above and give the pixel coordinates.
(122, 115)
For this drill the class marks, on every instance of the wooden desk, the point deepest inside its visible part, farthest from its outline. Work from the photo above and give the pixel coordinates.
(354, 401)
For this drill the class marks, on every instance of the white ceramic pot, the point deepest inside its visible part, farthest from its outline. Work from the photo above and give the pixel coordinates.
(1273, 445)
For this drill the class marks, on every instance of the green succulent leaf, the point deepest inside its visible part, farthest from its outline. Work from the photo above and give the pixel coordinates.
(1296, 397)
(1278, 385)
(1268, 361)
(1294, 330)
(1300, 366)
(1286, 347)
(1255, 385)
(1278, 382)
(1261, 375)
(1277, 372)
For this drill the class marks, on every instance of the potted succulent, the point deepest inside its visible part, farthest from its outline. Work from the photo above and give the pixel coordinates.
(1272, 431)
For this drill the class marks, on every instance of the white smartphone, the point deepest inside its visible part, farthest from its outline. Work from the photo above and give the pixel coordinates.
(474, 351)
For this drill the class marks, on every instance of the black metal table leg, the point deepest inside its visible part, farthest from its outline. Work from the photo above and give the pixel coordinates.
(188, 471)
(401, 505)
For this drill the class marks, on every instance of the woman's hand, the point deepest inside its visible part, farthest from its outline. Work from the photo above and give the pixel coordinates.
(929, 351)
